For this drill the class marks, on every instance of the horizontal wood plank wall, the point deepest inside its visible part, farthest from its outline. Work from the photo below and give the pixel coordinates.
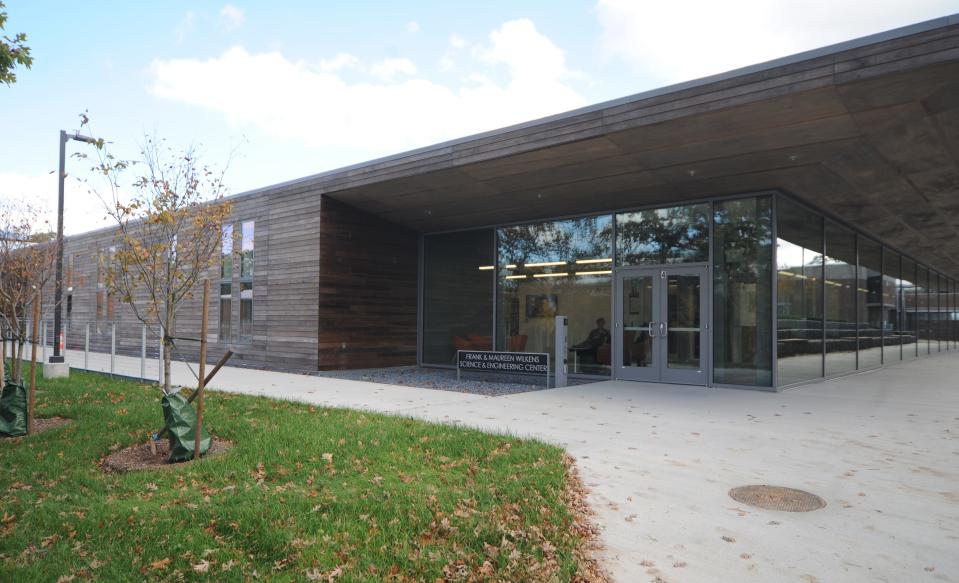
(368, 286)
(285, 291)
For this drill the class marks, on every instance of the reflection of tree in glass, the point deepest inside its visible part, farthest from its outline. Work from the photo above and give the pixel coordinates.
(668, 235)
(567, 240)
(746, 236)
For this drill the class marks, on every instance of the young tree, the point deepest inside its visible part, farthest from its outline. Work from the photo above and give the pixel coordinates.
(27, 259)
(13, 52)
(168, 233)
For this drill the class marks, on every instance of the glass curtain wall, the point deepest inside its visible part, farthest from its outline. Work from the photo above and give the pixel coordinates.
(869, 303)
(891, 307)
(457, 294)
(951, 317)
(909, 294)
(742, 291)
(551, 268)
(799, 297)
(840, 288)
(662, 236)
(922, 309)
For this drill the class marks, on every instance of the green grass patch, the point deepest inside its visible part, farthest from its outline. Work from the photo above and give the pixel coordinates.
(306, 493)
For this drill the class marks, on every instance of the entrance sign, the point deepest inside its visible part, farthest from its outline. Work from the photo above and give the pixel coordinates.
(503, 362)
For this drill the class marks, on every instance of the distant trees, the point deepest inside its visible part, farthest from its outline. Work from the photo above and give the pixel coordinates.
(27, 261)
(13, 52)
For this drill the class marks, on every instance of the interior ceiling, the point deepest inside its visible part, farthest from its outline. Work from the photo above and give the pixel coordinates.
(880, 151)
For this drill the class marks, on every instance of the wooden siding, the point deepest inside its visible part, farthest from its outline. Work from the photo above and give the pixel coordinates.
(285, 288)
(368, 287)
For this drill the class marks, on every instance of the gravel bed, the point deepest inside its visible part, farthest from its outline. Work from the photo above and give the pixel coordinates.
(437, 378)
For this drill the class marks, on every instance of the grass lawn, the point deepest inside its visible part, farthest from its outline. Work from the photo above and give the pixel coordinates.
(306, 493)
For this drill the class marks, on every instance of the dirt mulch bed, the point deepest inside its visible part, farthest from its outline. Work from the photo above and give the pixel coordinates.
(140, 457)
(588, 555)
(41, 425)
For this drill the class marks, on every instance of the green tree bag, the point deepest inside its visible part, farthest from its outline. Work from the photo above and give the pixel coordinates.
(180, 419)
(13, 409)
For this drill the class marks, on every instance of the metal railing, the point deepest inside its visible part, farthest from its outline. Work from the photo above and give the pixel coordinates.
(128, 349)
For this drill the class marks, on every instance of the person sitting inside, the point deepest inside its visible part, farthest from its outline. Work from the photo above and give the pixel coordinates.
(598, 336)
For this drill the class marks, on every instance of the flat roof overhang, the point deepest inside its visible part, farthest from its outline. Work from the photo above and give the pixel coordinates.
(866, 130)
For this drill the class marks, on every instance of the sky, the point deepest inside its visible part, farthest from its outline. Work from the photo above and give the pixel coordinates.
(274, 91)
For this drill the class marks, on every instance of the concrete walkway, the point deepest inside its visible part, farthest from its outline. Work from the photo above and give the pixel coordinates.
(881, 448)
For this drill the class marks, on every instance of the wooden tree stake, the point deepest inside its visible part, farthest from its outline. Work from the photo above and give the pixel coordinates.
(202, 376)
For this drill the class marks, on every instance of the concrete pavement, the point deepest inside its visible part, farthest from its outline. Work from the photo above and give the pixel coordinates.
(881, 448)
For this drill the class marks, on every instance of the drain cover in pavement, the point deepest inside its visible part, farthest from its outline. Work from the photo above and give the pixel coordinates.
(777, 498)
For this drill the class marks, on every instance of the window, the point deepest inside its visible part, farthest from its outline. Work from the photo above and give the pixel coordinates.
(869, 290)
(799, 255)
(226, 283)
(742, 292)
(840, 290)
(922, 309)
(909, 297)
(659, 236)
(226, 295)
(891, 307)
(557, 268)
(246, 282)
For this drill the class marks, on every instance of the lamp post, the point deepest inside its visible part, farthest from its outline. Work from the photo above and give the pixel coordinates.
(58, 356)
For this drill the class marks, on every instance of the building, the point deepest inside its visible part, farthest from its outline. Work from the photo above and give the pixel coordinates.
(761, 228)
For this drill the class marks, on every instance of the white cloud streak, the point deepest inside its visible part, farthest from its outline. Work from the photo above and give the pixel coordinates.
(232, 17)
(293, 99)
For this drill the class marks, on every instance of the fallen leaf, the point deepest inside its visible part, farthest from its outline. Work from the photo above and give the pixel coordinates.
(160, 564)
(202, 567)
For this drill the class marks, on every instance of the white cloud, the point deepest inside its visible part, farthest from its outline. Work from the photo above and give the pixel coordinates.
(685, 39)
(232, 17)
(292, 99)
(389, 68)
(412, 27)
(457, 42)
(530, 56)
(339, 62)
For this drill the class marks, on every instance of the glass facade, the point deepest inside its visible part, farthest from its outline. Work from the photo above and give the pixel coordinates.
(663, 236)
(909, 297)
(840, 299)
(793, 296)
(891, 307)
(742, 292)
(799, 299)
(557, 268)
(869, 290)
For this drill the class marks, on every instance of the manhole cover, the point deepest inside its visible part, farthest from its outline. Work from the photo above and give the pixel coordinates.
(777, 498)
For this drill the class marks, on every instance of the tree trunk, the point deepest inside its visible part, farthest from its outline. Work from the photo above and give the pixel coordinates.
(3, 355)
(168, 331)
(31, 395)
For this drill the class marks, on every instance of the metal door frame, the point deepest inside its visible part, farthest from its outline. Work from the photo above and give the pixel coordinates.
(660, 372)
(644, 374)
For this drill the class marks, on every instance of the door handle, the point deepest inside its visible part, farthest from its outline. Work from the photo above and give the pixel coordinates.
(649, 327)
(662, 329)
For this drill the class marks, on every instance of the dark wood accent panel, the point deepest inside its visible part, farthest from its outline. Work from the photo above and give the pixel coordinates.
(368, 285)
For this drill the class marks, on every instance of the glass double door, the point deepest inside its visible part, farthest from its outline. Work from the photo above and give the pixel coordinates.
(660, 328)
